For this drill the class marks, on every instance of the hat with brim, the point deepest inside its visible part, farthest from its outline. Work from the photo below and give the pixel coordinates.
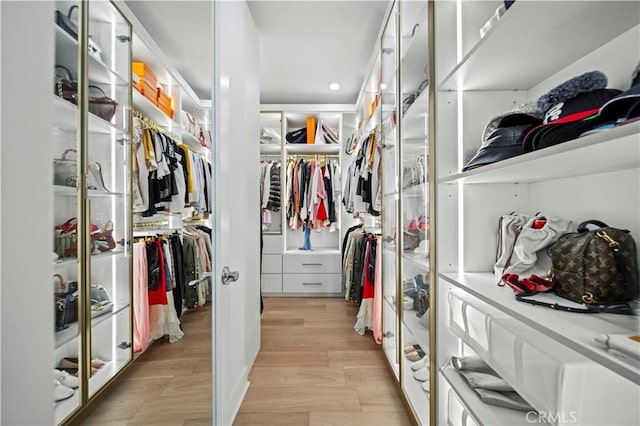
(522, 114)
(569, 119)
(620, 110)
(503, 143)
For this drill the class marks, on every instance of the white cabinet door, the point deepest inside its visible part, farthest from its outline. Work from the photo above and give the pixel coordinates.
(237, 215)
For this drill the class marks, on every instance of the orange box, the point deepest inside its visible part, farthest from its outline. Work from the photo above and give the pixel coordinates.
(149, 92)
(143, 71)
(311, 130)
(167, 111)
(163, 99)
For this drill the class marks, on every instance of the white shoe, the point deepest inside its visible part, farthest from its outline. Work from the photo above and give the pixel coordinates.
(61, 392)
(66, 379)
(422, 375)
(419, 365)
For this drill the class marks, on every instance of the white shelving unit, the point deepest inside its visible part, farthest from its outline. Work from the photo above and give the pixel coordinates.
(475, 82)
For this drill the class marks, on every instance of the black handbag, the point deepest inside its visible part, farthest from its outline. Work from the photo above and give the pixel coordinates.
(297, 136)
(65, 22)
(65, 303)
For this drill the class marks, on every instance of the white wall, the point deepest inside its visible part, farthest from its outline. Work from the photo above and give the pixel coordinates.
(26, 220)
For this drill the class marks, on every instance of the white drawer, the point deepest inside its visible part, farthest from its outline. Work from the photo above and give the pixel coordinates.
(312, 263)
(312, 283)
(272, 244)
(271, 264)
(272, 283)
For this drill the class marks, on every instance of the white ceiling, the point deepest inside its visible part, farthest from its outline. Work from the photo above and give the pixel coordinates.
(304, 45)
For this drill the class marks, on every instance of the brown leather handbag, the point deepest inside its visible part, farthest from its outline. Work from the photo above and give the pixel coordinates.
(595, 267)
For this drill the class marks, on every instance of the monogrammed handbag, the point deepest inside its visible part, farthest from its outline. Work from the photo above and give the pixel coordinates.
(596, 266)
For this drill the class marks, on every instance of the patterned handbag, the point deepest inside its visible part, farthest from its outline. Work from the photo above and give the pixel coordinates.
(595, 266)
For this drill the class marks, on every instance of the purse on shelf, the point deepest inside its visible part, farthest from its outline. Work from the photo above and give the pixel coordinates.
(65, 22)
(526, 255)
(297, 136)
(596, 266)
(65, 303)
(100, 301)
(99, 103)
(65, 172)
(66, 239)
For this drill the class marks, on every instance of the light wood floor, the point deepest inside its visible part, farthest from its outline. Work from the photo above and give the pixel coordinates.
(312, 369)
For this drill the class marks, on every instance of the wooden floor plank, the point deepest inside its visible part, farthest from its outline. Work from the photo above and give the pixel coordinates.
(291, 358)
(300, 399)
(312, 369)
(384, 418)
(272, 419)
(296, 376)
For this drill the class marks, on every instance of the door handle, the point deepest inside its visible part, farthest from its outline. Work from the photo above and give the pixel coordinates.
(228, 276)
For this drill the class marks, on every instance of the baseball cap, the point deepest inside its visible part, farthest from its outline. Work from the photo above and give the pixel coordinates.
(566, 118)
(620, 109)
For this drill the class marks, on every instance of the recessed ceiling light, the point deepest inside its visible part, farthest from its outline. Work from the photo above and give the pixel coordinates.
(334, 86)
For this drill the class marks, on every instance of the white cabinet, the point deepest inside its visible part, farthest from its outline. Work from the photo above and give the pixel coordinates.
(549, 357)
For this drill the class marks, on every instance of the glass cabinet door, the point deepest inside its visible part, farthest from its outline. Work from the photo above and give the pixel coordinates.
(91, 185)
(390, 233)
(414, 206)
(67, 386)
(108, 191)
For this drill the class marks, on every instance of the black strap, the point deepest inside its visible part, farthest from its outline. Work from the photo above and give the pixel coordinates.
(582, 228)
(618, 308)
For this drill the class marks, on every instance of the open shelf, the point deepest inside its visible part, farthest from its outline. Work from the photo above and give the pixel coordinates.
(571, 30)
(310, 149)
(193, 143)
(609, 150)
(149, 110)
(486, 414)
(576, 331)
(269, 149)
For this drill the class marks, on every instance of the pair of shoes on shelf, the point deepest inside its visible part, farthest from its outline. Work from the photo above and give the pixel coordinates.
(70, 365)
(422, 375)
(63, 385)
(419, 365)
(414, 352)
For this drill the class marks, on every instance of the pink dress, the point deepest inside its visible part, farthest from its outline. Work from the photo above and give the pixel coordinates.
(141, 335)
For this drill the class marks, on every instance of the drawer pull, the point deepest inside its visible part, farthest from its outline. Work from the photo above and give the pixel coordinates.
(312, 264)
(311, 283)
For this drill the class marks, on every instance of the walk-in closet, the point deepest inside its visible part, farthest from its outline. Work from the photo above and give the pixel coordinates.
(380, 212)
